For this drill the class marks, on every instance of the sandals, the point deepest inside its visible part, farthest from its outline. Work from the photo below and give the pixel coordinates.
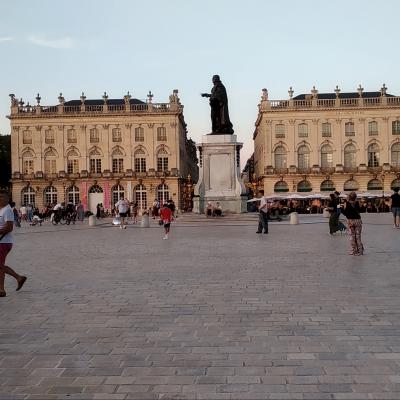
(21, 282)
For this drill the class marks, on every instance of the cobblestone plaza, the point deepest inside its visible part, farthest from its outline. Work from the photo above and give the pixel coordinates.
(216, 312)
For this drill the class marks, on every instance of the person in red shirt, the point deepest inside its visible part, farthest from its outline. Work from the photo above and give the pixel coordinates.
(166, 219)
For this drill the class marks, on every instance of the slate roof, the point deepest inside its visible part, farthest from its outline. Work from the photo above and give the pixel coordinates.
(348, 95)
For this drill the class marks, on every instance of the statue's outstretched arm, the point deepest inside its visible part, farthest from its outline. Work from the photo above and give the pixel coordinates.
(205, 95)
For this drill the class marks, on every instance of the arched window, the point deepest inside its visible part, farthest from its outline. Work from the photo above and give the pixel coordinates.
(374, 184)
(141, 196)
(72, 161)
(350, 156)
(326, 156)
(95, 189)
(395, 155)
(73, 195)
(373, 155)
(94, 135)
(27, 162)
(303, 157)
(351, 185)
(280, 131)
(161, 133)
(162, 193)
(280, 157)
(395, 184)
(95, 161)
(116, 135)
(118, 192)
(372, 128)
(304, 186)
(281, 186)
(50, 195)
(28, 196)
(50, 161)
(140, 160)
(139, 134)
(162, 160)
(302, 130)
(117, 161)
(327, 186)
(349, 129)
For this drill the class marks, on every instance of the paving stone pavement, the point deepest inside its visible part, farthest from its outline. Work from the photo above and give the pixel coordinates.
(216, 312)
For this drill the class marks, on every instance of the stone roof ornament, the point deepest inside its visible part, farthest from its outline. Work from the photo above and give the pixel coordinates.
(105, 97)
(264, 94)
(14, 101)
(314, 92)
(21, 103)
(360, 90)
(83, 98)
(38, 98)
(150, 97)
(290, 91)
(127, 98)
(337, 91)
(61, 99)
(28, 107)
(383, 90)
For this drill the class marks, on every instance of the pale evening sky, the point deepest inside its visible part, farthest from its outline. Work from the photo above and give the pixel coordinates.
(115, 46)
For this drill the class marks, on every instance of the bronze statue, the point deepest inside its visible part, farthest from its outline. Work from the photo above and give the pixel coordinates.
(221, 125)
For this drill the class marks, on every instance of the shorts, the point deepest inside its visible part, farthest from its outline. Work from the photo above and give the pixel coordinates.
(167, 224)
(396, 211)
(5, 248)
(123, 215)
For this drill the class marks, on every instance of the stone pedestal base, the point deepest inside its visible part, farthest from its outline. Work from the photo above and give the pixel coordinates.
(219, 175)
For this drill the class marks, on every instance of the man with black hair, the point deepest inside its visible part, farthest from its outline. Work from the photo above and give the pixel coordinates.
(263, 216)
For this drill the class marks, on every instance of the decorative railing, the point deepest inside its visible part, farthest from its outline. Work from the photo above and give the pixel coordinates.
(382, 101)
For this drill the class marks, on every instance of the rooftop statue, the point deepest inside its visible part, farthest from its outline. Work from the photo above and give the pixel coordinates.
(221, 124)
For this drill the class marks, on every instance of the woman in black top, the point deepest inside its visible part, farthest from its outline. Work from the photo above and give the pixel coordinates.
(351, 211)
(396, 207)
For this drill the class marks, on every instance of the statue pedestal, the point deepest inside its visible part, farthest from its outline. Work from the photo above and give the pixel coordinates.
(219, 175)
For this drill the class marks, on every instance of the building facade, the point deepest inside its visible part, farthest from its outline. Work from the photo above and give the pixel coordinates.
(96, 151)
(321, 142)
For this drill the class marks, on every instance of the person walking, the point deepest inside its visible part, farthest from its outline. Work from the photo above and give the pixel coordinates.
(80, 211)
(122, 207)
(166, 219)
(135, 210)
(395, 206)
(263, 214)
(17, 219)
(351, 211)
(6, 242)
(334, 216)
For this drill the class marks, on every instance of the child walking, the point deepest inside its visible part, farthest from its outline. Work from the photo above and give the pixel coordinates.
(166, 219)
(351, 212)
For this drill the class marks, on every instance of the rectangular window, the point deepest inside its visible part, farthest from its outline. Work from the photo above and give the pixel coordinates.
(71, 136)
(95, 165)
(372, 128)
(326, 160)
(280, 131)
(94, 135)
(303, 130)
(161, 133)
(118, 165)
(116, 135)
(27, 137)
(49, 137)
(349, 129)
(28, 167)
(396, 128)
(50, 167)
(162, 164)
(140, 164)
(139, 134)
(326, 129)
(72, 166)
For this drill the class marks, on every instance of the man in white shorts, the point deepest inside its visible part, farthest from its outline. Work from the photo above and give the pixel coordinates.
(6, 242)
(122, 207)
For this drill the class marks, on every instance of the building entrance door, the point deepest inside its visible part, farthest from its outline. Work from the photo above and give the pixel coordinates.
(96, 196)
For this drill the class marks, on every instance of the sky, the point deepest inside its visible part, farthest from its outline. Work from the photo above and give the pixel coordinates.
(49, 47)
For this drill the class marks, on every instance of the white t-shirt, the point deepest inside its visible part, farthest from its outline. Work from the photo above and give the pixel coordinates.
(58, 206)
(23, 210)
(122, 206)
(6, 215)
(263, 201)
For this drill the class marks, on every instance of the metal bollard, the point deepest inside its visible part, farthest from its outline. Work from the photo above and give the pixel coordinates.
(145, 223)
(294, 218)
(92, 220)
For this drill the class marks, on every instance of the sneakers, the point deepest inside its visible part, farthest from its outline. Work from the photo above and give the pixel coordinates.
(165, 237)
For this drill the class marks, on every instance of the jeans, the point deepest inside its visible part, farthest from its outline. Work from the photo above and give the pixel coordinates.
(263, 222)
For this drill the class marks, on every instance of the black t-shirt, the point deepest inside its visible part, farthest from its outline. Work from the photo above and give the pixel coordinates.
(395, 200)
(351, 212)
(333, 205)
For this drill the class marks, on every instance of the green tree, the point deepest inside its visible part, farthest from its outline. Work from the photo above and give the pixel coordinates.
(5, 160)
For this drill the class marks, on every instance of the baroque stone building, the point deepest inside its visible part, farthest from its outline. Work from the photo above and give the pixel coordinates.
(96, 151)
(325, 141)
